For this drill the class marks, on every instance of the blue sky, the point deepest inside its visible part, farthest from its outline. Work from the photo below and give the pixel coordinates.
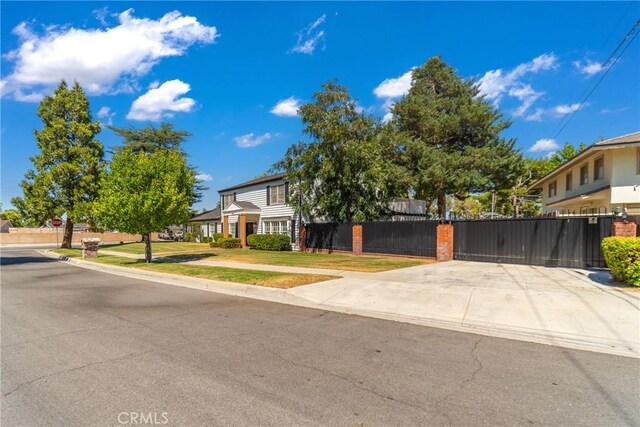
(233, 73)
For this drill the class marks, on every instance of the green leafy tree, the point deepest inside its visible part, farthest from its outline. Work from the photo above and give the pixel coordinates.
(150, 139)
(145, 192)
(340, 175)
(67, 169)
(14, 216)
(448, 136)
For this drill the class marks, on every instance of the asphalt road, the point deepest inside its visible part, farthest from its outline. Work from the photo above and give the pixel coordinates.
(86, 348)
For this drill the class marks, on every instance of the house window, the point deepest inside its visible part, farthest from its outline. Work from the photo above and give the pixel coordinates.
(227, 199)
(569, 182)
(598, 168)
(584, 175)
(553, 189)
(275, 227)
(277, 194)
(232, 229)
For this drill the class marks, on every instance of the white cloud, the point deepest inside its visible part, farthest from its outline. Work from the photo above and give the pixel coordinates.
(309, 37)
(589, 67)
(203, 177)
(251, 140)
(557, 111)
(162, 101)
(564, 109)
(394, 87)
(544, 146)
(102, 60)
(613, 110)
(527, 95)
(495, 84)
(287, 107)
(106, 113)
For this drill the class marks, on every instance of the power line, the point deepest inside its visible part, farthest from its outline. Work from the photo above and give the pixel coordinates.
(611, 61)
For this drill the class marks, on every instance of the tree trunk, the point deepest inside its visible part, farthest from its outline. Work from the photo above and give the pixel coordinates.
(68, 235)
(442, 206)
(147, 247)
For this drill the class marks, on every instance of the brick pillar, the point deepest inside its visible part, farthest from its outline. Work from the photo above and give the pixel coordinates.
(225, 227)
(620, 228)
(242, 223)
(444, 242)
(357, 239)
(303, 238)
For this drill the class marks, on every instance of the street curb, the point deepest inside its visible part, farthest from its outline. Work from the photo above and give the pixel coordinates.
(281, 296)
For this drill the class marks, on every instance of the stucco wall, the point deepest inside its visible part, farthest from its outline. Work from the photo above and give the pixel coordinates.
(26, 236)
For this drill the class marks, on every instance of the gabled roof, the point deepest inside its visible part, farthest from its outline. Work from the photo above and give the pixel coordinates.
(237, 205)
(4, 222)
(630, 139)
(211, 215)
(259, 180)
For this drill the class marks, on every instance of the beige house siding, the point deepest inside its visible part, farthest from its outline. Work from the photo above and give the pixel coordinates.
(619, 188)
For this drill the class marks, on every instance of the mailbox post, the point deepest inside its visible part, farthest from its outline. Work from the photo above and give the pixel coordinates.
(90, 247)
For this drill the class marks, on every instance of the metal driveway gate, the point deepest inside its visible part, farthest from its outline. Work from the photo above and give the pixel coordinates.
(563, 242)
(417, 238)
(330, 236)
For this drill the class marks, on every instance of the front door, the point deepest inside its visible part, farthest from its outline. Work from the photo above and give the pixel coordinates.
(251, 226)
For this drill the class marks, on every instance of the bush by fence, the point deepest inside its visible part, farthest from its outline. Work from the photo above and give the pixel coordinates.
(623, 258)
(269, 242)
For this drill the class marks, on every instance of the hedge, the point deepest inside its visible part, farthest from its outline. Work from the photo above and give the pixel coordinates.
(269, 242)
(230, 243)
(622, 255)
(217, 236)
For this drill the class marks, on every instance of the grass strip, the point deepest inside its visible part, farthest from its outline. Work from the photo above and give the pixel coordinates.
(271, 279)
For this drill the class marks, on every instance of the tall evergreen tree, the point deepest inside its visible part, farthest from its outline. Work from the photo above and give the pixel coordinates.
(340, 174)
(65, 178)
(449, 136)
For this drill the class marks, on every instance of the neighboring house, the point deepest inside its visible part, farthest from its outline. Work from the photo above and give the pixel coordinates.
(259, 206)
(604, 178)
(210, 222)
(5, 225)
(80, 227)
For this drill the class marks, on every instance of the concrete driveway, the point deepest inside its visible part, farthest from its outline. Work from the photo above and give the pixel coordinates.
(569, 307)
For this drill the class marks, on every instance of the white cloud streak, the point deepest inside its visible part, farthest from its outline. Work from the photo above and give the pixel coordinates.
(251, 140)
(544, 146)
(495, 84)
(286, 107)
(309, 37)
(161, 102)
(102, 60)
(589, 67)
(394, 87)
(203, 177)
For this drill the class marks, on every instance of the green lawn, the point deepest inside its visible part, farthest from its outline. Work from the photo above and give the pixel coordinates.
(316, 260)
(292, 259)
(157, 247)
(250, 277)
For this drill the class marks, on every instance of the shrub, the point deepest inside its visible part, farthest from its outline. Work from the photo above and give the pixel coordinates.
(206, 239)
(269, 242)
(622, 255)
(229, 243)
(214, 244)
(217, 236)
(189, 237)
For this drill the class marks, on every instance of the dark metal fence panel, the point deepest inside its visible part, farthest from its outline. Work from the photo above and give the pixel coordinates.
(417, 238)
(563, 242)
(330, 236)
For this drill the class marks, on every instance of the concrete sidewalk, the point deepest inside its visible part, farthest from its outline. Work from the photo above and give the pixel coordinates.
(558, 306)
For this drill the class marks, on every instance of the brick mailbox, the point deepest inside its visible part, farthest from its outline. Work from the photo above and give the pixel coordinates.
(90, 247)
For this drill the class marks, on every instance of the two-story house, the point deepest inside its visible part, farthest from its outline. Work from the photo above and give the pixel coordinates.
(258, 206)
(604, 178)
